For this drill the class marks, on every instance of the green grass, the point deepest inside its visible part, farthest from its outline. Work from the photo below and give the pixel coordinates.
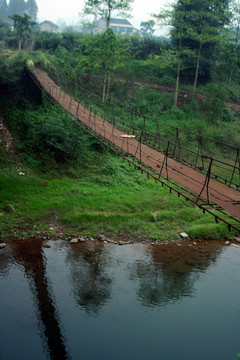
(122, 205)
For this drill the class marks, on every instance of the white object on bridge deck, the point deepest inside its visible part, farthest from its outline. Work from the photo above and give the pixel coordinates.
(128, 136)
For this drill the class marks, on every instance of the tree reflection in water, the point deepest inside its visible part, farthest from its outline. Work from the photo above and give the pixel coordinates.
(171, 271)
(90, 282)
(29, 254)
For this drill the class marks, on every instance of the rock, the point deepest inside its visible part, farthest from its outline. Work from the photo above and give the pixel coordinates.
(110, 241)
(82, 239)
(237, 238)
(9, 208)
(236, 246)
(121, 243)
(184, 235)
(74, 241)
(2, 245)
(227, 242)
(46, 245)
(102, 238)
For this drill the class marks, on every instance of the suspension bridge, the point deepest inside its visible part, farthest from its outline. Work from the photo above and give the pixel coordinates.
(211, 183)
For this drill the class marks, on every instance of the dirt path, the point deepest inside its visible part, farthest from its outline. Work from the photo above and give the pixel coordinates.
(184, 96)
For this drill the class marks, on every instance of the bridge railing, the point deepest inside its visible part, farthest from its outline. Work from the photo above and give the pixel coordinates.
(227, 172)
(188, 147)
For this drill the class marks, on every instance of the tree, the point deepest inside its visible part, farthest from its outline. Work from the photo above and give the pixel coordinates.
(105, 8)
(235, 25)
(32, 9)
(3, 9)
(203, 23)
(101, 52)
(4, 30)
(173, 58)
(147, 28)
(21, 24)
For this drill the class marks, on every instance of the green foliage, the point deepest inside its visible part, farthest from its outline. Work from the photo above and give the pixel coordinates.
(22, 25)
(147, 28)
(46, 136)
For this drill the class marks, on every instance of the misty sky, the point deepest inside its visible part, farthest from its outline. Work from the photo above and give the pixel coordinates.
(69, 9)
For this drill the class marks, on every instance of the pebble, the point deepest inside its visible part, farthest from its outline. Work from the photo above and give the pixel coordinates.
(227, 242)
(110, 241)
(102, 237)
(81, 239)
(74, 241)
(184, 235)
(2, 245)
(46, 245)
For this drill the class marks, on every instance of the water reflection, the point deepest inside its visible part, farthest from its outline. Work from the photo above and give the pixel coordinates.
(29, 254)
(91, 285)
(113, 286)
(171, 271)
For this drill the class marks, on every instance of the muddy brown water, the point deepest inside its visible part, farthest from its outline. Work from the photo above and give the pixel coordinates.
(102, 301)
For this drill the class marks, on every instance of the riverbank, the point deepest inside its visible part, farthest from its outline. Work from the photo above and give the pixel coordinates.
(115, 200)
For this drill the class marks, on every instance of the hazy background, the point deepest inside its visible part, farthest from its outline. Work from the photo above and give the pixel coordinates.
(69, 10)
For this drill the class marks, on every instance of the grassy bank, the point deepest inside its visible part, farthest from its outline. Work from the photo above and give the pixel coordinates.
(115, 200)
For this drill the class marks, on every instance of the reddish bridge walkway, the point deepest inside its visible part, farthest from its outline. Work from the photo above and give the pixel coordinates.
(210, 195)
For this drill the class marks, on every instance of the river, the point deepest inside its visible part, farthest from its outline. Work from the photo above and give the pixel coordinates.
(94, 300)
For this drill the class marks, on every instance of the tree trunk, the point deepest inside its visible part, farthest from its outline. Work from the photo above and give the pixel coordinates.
(235, 49)
(177, 81)
(230, 76)
(197, 69)
(108, 87)
(104, 86)
(20, 44)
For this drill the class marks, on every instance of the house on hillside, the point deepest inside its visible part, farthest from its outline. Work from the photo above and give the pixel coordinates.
(119, 26)
(48, 26)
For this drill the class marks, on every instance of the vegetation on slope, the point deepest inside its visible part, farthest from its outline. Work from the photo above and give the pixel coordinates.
(60, 179)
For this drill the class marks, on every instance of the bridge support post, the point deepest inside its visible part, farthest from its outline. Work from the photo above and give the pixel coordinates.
(164, 162)
(206, 182)
(236, 167)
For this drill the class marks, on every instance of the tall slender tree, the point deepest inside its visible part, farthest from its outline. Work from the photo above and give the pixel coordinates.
(235, 25)
(21, 24)
(106, 8)
(204, 23)
(173, 58)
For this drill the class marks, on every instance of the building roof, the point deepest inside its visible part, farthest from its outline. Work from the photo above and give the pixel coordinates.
(49, 22)
(116, 21)
(119, 21)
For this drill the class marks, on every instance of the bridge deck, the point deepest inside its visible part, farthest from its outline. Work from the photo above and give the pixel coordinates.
(220, 194)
